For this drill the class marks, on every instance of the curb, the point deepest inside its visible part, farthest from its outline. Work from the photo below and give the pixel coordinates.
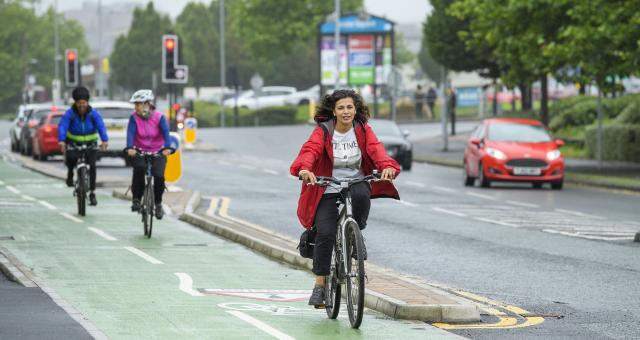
(464, 311)
(567, 179)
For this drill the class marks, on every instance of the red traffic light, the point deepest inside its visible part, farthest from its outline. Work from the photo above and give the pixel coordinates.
(170, 44)
(71, 56)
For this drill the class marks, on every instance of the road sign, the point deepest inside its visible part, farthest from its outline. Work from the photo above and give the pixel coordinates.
(190, 127)
(256, 83)
(173, 171)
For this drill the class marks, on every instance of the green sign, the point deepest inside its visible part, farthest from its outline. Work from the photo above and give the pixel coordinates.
(360, 75)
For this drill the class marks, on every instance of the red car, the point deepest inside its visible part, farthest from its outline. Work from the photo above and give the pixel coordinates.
(512, 149)
(45, 138)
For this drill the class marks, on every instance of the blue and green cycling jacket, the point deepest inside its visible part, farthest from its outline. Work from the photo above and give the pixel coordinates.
(72, 128)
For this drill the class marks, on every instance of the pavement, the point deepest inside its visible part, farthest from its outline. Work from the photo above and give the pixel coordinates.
(578, 171)
(96, 270)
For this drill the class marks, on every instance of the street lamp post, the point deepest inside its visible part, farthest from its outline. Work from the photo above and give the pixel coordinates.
(336, 39)
(222, 63)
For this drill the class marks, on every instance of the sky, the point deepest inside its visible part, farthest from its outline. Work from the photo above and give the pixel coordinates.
(400, 11)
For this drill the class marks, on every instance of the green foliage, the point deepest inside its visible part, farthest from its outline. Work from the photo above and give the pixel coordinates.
(430, 67)
(197, 27)
(620, 142)
(277, 115)
(630, 114)
(27, 41)
(138, 55)
(582, 110)
(208, 115)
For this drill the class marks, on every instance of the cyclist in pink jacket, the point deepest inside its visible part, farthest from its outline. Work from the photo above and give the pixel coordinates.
(148, 131)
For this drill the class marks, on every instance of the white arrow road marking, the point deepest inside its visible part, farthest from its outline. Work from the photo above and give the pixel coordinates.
(260, 325)
(447, 211)
(186, 284)
(144, 255)
(13, 189)
(103, 234)
(71, 217)
(47, 205)
(523, 204)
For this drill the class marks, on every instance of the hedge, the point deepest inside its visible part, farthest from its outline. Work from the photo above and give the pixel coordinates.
(582, 110)
(620, 142)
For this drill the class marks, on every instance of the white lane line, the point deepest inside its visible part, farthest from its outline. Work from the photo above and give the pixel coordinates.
(28, 198)
(47, 205)
(495, 222)
(487, 197)
(415, 184)
(260, 325)
(103, 234)
(445, 189)
(248, 167)
(407, 203)
(71, 217)
(590, 237)
(577, 213)
(224, 163)
(523, 204)
(144, 255)
(186, 284)
(447, 211)
(269, 171)
(13, 189)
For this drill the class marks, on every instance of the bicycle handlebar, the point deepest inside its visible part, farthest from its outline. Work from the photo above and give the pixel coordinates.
(325, 180)
(81, 147)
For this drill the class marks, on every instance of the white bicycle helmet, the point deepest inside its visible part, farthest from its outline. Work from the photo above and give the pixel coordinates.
(142, 96)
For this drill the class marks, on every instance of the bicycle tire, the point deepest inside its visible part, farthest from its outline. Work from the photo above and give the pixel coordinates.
(81, 191)
(333, 289)
(355, 276)
(151, 206)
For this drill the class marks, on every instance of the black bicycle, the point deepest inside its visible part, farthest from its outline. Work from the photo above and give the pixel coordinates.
(81, 185)
(347, 258)
(147, 204)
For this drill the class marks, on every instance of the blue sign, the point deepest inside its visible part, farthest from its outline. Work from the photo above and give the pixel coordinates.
(361, 59)
(468, 96)
(352, 24)
(175, 140)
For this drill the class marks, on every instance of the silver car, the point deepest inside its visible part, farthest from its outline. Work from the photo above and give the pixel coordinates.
(115, 115)
(15, 131)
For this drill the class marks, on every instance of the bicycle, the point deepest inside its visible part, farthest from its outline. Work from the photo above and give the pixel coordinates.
(147, 204)
(81, 184)
(347, 258)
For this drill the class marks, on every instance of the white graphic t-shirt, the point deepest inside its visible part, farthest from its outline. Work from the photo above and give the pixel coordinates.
(346, 157)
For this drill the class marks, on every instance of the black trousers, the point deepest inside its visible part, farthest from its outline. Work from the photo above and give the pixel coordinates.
(71, 160)
(157, 170)
(326, 223)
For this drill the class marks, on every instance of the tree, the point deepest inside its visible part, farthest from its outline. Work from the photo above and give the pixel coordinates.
(138, 55)
(428, 64)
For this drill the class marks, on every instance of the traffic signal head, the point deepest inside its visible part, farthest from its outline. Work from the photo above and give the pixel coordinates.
(71, 68)
(171, 71)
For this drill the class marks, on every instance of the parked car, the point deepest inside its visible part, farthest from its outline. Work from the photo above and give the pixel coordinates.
(513, 149)
(394, 140)
(303, 97)
(45, 137)
(15, 130)
(115, 115)
(268, 96)
(30, 124)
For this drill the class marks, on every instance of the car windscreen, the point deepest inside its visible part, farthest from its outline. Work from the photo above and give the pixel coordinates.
(39, 114)
(385, 129)
(115, 112)
(55, 120)
(518, 133)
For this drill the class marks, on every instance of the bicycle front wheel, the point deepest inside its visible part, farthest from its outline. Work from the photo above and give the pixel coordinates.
(332, 288)
(354, 253)
(149, 207)
(81, 191)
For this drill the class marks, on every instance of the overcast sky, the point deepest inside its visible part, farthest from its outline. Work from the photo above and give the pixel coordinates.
(400, 11)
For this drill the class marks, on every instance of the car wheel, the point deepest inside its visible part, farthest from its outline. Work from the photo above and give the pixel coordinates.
(537, 185)
(468, 180)
(484, 182)
(408, 162)
(557, 185)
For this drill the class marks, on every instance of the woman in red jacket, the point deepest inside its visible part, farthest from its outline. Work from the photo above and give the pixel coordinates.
(344, 146)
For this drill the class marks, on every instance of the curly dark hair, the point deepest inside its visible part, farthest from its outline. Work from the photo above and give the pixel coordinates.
(324, 111)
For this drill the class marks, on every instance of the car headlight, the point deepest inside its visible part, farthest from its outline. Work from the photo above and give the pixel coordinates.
(555, 154)
(495, 153)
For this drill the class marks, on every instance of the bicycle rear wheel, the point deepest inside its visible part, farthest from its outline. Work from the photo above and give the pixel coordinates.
(332, 288)
(81, 191)
(354, 250)
(149, 207)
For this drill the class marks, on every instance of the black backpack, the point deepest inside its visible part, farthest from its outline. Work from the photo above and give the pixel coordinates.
(307, 242)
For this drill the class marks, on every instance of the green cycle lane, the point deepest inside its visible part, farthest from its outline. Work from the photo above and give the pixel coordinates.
(182, 283)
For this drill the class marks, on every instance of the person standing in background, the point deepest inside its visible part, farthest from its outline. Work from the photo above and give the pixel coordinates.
(432, 96)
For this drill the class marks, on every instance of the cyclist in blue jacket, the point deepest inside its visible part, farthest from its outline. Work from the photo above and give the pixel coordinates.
(81, 124)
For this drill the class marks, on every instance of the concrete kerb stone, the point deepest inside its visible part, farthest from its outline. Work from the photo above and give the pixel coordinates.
(464, 312)
(15, 270)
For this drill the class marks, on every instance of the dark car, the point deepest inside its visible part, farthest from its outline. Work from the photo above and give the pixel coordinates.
(31, 122)
(15, 130)
(395, 141)
(45, 138)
